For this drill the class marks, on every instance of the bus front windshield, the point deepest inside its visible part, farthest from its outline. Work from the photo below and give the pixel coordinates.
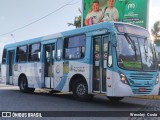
(135, 53)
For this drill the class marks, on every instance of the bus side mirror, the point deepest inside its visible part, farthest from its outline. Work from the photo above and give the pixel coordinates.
(114, 44)
(109, 60)
(59, 54)
(159, 67)
(39, 55)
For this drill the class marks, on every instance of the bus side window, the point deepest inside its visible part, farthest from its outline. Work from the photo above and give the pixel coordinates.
(74, 47)
(59, 49)
(34, 52)
(21, 54)
(109, 63)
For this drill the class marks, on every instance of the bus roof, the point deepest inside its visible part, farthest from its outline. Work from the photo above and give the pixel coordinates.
(104, 25)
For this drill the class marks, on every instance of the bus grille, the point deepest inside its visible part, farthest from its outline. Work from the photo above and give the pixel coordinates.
(141, 76)
(141, 81)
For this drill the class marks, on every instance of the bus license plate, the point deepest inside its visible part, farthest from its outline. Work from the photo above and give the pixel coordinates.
(142, 89)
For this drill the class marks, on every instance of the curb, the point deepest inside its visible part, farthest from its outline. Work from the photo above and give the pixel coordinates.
(148, 97)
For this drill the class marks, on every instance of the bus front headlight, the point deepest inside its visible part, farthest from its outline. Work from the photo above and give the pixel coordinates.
(123, 78)
(157, 79)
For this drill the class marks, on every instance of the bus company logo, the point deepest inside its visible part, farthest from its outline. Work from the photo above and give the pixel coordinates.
(16, 67)
(58, 69)
(131, 6)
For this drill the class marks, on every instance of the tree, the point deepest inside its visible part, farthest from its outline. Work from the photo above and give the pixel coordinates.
(156, 29)
(77, 21)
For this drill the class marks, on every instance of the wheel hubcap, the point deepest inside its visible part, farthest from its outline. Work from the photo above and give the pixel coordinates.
(81, 89)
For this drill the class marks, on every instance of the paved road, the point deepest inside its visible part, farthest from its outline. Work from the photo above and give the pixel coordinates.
(13, 100)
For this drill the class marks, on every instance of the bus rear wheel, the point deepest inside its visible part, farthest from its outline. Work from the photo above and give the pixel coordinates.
(115, 99)
(23, 85)
(80, 91)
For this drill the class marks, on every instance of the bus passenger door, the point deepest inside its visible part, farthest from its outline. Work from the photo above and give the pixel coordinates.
(49, 51)
(100, 49)
(10, 59)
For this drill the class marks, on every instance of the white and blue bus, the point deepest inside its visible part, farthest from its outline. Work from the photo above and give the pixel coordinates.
(114, 59)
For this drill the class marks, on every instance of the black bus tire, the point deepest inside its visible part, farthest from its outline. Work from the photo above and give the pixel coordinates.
(115, 99)
(80, 91)
(23, 85)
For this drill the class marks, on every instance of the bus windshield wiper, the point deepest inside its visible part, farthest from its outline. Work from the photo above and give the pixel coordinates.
(145, 49)
(132, 45)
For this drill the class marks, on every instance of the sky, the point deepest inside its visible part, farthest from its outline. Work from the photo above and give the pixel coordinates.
(154, 12)
(18, 13)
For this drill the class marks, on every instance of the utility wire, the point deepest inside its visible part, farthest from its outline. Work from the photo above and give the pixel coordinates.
(69, 3)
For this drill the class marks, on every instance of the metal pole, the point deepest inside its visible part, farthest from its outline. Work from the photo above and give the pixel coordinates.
(13, 37)
(82, 13)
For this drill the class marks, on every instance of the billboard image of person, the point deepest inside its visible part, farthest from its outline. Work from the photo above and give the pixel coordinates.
(129, 11)
(110, 13)
(94, 15)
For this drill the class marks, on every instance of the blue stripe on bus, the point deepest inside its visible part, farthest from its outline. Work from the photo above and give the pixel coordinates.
(61, 84)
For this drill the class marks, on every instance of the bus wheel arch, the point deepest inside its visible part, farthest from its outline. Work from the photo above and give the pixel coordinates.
(74, 79)
(78, 85)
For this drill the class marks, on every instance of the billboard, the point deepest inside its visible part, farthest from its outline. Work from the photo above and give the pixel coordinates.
(129, 11)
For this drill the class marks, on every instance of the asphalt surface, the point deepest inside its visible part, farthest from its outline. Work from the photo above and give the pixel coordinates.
(13, 100)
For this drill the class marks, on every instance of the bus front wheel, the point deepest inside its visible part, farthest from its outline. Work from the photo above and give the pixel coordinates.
(80, 91)
(115, 99)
